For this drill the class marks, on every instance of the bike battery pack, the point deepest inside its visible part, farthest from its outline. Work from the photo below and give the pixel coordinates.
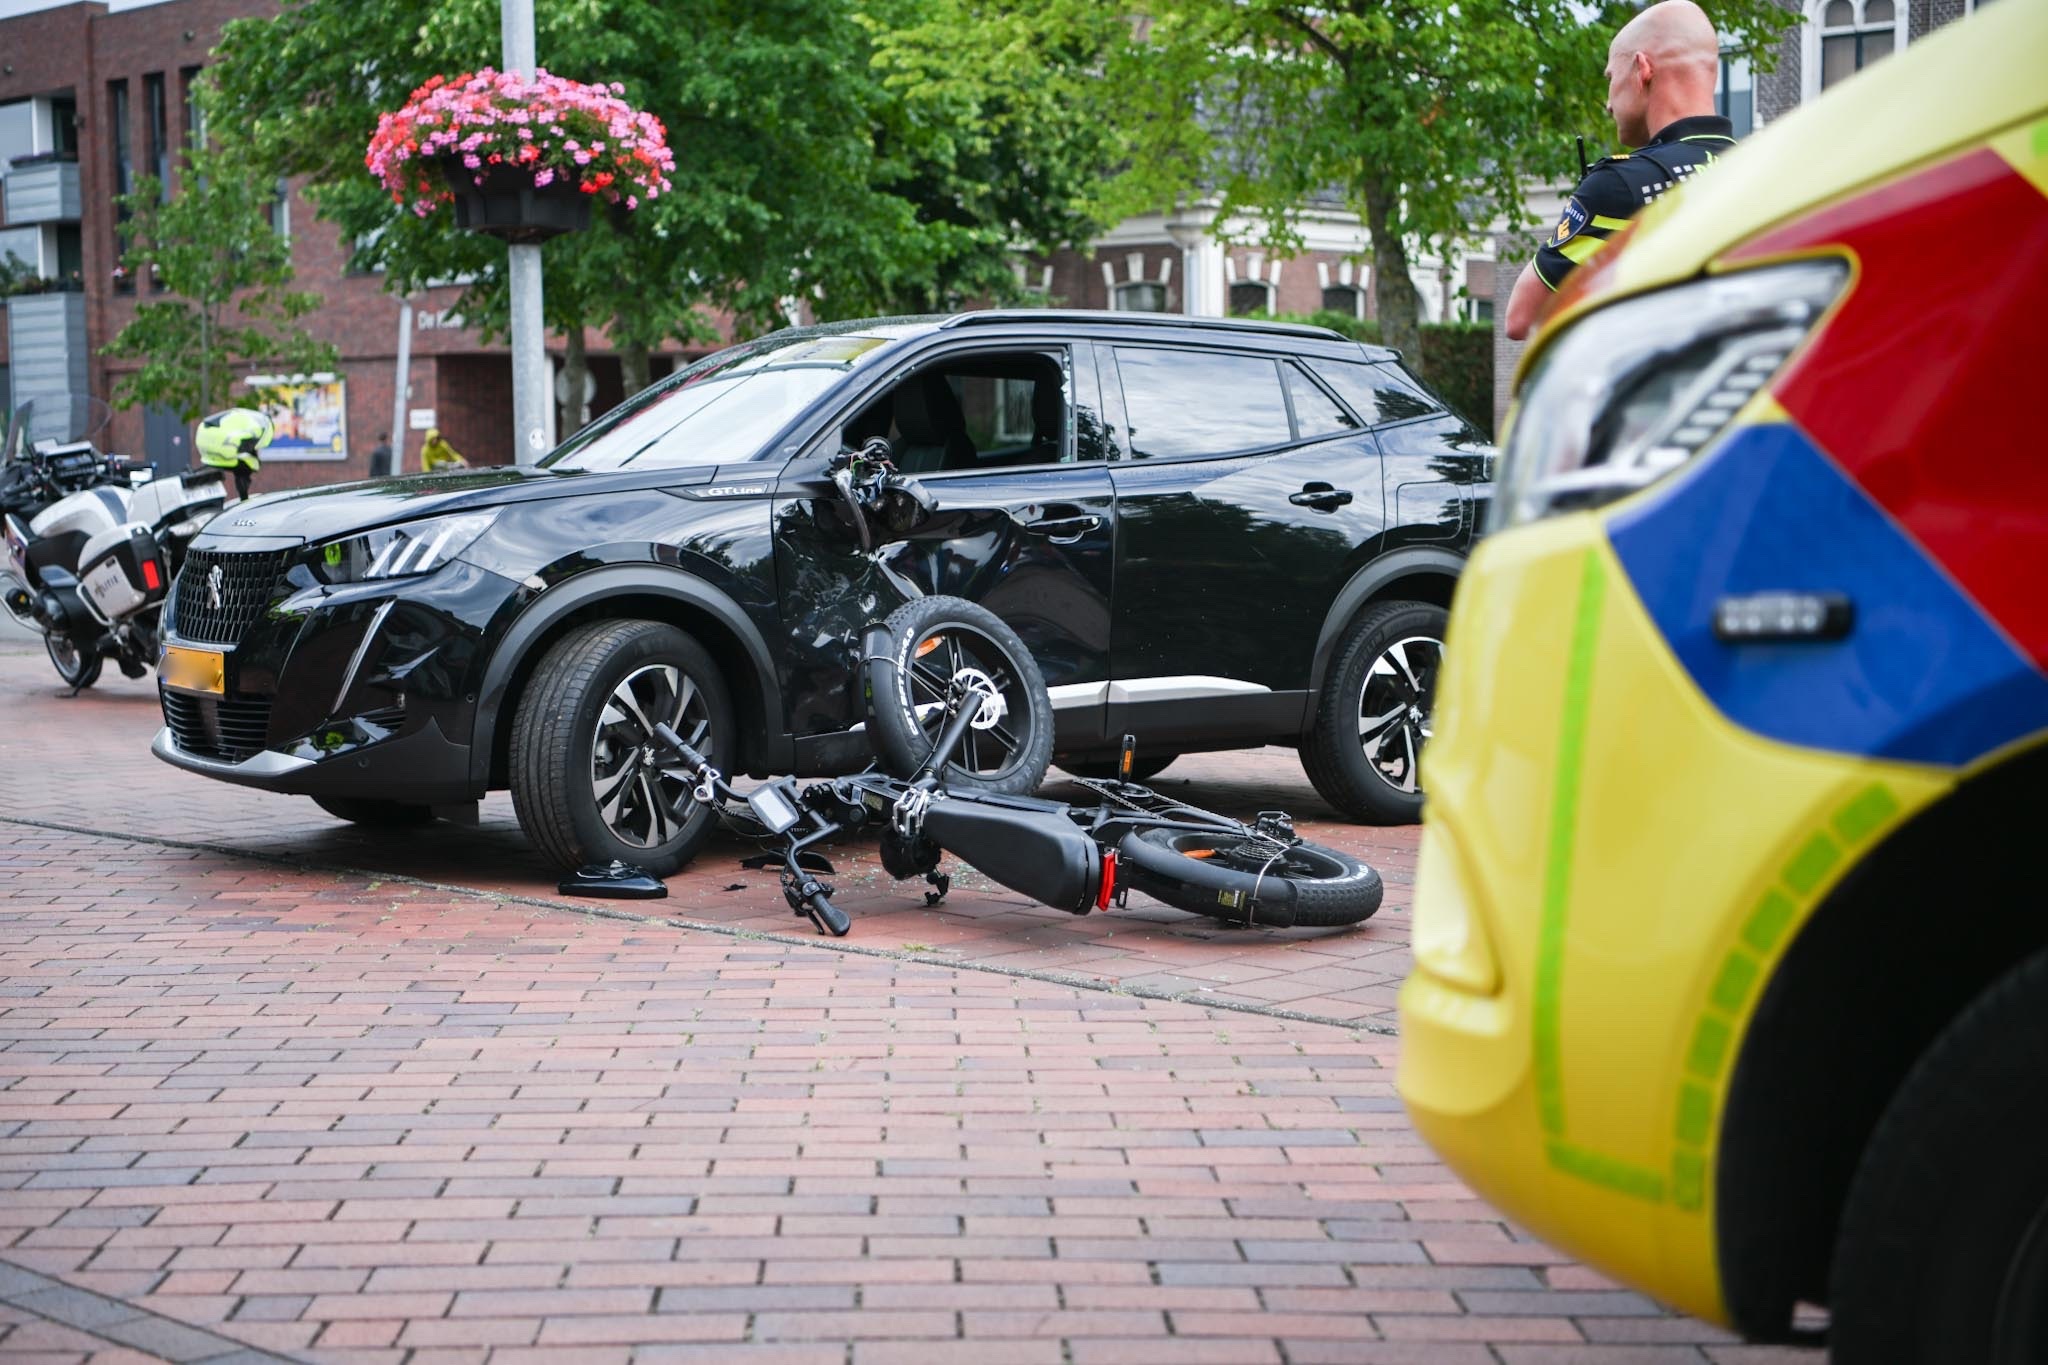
(1042, 854)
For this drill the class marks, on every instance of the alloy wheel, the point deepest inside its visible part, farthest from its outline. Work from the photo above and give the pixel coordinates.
(642, 797)
(1396, 709)
(955, 659)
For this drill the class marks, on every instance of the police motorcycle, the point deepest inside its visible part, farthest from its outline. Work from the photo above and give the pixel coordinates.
(90, 571)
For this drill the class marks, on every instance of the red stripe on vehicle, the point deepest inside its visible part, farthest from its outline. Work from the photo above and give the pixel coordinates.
(1923, 386)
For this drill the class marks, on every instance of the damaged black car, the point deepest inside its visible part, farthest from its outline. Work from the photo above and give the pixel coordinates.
(1211, 534)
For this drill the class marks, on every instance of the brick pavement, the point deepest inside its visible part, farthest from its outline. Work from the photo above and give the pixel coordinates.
(301, 1115)
(47, 738)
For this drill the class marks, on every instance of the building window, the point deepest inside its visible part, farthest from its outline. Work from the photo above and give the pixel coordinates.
(1853, 34)
(1347, 299)
(64, 127)
(1140, 297)
(124, 176)
(1735, 93)
(195, 113)
(17, 131)
(281, 209)
(1250, 298)
(159, 133)
(1479, 310)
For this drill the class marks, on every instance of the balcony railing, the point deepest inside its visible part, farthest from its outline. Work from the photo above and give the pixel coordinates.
(50, 361)
(42, 188)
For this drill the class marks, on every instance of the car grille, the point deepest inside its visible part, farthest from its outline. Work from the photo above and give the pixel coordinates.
(230, 730)
(245, 583)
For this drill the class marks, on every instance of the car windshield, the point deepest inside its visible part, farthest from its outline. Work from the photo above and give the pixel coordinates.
(721, 410)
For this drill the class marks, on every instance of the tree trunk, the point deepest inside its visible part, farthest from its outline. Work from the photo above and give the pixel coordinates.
(575, 373)
(205, 354)
(633, 366)
(1393, 289)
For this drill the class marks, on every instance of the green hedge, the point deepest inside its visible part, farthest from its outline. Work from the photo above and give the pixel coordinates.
(1457, 359)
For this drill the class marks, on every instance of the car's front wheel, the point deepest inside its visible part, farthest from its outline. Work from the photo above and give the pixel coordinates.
(1375, 712)
(587, 781)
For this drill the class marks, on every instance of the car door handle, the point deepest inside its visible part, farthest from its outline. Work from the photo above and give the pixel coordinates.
(1061, 525)
(1321, 496)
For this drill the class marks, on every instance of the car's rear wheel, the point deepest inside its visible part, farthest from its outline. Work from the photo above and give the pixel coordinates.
(1375, 713)
(587, 781)
(1943, 1248)
(374, 813)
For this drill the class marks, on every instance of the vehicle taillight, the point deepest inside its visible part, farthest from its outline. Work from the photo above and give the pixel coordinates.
(152, 577)
(1108, 887)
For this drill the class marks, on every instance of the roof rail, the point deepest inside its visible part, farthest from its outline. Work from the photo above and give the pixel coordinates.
(989, 317)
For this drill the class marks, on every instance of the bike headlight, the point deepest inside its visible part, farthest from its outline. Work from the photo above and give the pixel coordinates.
(1632, 391)
(413, 547)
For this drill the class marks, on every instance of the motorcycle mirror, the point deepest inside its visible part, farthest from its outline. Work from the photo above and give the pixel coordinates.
(877, 448)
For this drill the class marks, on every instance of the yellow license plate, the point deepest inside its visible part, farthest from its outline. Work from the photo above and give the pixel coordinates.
(194, 670)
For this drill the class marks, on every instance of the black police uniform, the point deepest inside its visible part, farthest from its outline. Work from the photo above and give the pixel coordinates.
(1617, 188)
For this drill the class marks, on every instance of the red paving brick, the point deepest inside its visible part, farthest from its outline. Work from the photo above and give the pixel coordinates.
(358, 1120)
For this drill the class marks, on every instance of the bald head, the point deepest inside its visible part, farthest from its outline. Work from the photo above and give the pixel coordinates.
(1660, 68)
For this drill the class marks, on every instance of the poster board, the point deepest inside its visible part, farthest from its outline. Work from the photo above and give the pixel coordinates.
(310, 412)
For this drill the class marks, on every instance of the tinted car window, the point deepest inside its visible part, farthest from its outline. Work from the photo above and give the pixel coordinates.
(1200, 402)
(986, 410)
(1375, 394)
(1315, 413)
(718, 411)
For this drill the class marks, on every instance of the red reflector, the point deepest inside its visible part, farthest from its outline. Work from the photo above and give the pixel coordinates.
(1108, 888)
(152, 577)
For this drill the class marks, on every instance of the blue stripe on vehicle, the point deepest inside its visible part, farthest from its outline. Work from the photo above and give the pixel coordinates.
(1923, 675)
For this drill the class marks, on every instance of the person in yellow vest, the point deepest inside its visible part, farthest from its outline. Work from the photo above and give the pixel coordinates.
(436, 453)
(230, 440)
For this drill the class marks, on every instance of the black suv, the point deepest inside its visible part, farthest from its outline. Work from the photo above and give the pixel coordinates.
(1211, 534)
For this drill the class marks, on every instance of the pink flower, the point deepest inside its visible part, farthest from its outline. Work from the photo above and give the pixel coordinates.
(543, 177)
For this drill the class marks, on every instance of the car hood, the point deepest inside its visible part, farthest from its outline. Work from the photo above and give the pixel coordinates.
(311, 515)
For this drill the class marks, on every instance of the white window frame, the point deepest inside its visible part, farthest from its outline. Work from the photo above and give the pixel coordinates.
(1123, 287)
(1357, 295)
(1272, 296)
(1809, 55)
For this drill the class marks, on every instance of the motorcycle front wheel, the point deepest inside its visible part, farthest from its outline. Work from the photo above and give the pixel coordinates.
(1243, 878)
(75, 666)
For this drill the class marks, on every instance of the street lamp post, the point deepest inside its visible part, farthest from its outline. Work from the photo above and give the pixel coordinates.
(530, 388)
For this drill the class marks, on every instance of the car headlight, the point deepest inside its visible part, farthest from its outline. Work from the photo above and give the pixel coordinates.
(1632, 391)
(413, 547)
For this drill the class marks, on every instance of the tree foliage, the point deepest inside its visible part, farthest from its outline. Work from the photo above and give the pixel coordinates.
(225, 271)
(1422, 117)
(807, 168)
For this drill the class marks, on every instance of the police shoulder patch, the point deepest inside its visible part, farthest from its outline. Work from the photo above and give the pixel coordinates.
(1571, 223)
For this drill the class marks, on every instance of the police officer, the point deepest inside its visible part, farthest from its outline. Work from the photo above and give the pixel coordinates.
(230, 440)
(1660, 75)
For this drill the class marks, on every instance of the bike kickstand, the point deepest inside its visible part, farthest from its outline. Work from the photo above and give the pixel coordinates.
(941, 884)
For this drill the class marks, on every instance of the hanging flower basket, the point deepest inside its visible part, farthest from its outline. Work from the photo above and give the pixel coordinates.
(520, 159)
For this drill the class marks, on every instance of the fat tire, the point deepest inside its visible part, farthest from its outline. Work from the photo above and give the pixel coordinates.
(85, 675)
(1330, 752)
(1350, 895)
(1144, 767)
(373, 813)
(1943, 1197)
(552, 733)
(901, 742)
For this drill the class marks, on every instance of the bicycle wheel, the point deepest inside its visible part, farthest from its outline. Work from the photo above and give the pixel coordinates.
(939, 644)
(1243, 878)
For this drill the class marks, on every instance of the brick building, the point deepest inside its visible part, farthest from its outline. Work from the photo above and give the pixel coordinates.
(91, 100)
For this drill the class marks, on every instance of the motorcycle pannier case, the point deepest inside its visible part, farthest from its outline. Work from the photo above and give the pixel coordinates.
(122, 570)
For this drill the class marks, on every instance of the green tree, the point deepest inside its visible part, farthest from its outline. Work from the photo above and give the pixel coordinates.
(805, 170)
(225, 271)
(1424, 117)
